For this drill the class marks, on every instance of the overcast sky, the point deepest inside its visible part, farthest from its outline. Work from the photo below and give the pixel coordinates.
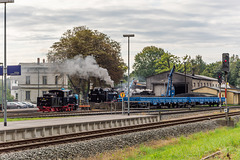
(207, 28)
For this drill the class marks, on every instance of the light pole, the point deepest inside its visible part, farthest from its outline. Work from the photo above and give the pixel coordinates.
(185, 77)
(5, 60)
(128, 35)
(2, 86)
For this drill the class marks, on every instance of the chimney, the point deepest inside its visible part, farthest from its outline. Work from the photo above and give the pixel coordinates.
(193, 70)
(38, 60)
(43, 60)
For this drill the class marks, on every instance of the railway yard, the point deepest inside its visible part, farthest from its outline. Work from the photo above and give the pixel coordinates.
(76, 134)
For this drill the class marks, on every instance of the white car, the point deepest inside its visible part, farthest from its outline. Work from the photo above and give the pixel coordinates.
(13, 105)
(22, 105)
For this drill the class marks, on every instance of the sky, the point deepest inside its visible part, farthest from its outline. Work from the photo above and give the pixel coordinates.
(207, 28)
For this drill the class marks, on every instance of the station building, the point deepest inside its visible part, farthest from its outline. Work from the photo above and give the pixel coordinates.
(35, 80)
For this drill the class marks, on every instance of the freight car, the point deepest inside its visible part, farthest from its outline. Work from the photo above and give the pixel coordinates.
(158, 102)
(57, 101)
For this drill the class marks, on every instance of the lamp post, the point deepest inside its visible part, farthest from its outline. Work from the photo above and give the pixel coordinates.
(5, 60)
(128, 35)
(2, 86)
(185, 77)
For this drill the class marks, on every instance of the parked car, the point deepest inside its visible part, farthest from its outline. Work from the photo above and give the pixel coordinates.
(29, 104)
(22, 105)
(13, 105)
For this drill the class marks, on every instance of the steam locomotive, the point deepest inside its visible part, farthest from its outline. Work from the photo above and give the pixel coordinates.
(98, 95)
(57, 101)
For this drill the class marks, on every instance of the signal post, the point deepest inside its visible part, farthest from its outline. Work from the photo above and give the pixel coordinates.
(220, 95)
(225, 68)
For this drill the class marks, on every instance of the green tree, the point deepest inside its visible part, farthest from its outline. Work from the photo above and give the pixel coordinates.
(166, 63)
(145, 61)
(234, 73)
(198, 65)
(85, 42)
(212, 69)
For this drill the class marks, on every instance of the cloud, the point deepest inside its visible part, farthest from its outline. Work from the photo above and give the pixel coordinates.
(175, 25)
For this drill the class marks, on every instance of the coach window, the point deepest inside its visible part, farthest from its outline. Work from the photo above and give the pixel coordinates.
(27, 95)
(27, 79)
(44, 79)
(194, 84)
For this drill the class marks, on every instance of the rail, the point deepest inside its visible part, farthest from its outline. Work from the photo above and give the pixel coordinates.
(40, 142)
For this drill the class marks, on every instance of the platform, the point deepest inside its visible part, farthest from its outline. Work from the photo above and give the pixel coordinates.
(20, 130)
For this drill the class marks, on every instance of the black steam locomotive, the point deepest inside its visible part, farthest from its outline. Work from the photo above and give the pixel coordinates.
(98, 95)
(57, 101)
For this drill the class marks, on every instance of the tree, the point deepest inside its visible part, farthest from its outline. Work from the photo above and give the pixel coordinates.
(198, 65)
(234, 74)
(166, 63)
(85, 42)
(145, 61)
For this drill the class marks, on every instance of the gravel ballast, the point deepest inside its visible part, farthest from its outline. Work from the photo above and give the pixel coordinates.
(92, 147)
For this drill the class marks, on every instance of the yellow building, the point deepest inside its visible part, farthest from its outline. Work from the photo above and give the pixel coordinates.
(233, 95)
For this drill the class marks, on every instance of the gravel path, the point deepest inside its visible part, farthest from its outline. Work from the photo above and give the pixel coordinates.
(91, 147)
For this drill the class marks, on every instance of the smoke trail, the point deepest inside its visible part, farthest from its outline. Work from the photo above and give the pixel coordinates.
(84, 68)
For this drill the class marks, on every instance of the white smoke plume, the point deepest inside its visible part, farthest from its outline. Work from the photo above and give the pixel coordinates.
(84, 68)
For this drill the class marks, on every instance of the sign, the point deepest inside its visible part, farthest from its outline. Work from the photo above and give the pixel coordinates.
(226, 110)
(6, 1)
(12, 70)
(122, 94)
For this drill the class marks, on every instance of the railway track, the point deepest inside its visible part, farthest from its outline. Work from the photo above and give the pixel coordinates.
(35, 114)
(46, 141)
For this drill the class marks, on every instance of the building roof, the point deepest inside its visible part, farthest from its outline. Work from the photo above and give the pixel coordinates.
(200, 77)
(217, 88)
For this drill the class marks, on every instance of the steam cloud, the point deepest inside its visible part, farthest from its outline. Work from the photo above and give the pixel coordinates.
(84, 68)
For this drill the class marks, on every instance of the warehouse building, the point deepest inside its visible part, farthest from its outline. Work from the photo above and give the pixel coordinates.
(183, 83)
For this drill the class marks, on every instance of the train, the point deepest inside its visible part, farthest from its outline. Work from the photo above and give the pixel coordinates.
(147, 98)
(98, 95)
(57, 101)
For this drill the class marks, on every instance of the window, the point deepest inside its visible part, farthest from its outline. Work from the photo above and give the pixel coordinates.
(44, 79)
(201, 84)
(56, 79)
(44, 92)
(27, 95)
(16, 95)
(207, 84)
(194, 84)
(27, 79)
(198, 85)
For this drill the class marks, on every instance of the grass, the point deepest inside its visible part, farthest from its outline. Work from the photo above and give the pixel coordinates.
(24, 119)
(193, 147)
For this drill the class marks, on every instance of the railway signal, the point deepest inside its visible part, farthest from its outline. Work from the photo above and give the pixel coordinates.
(225, 62)
(220, 77)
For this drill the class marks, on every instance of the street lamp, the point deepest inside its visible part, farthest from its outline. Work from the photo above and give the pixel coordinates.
(5, 60)
(128, 35)
(2, 86)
